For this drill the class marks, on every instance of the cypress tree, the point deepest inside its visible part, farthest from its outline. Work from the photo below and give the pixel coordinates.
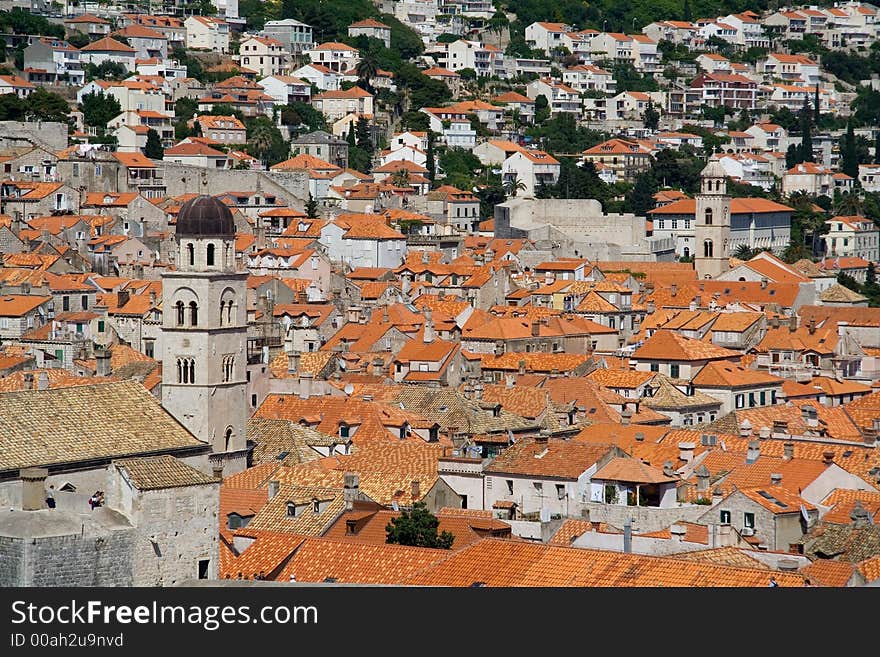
(806, 133)
(877, 148)
(688, 15)
(430, 165)
(850, 156)
(816, 105)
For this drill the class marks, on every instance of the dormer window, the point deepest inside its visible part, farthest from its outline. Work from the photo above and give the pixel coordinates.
(344, 431)
(316, 506)
(291, 510)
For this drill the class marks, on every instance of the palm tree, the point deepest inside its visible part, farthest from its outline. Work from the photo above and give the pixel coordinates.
(261, 139)
(743, 252)
(366, 70)
(513, 185)
(400, 178)
(848, 204)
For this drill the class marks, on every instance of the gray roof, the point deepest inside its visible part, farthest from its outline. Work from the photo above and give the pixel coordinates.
(318, 137)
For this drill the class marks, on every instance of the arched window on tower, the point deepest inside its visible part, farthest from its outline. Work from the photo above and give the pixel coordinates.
(222, 308)
(180, 313)
(687, 252)
(179, 371)
(707, 249)
(229, 312)
(192, 370)
(210, 255)
(193, 313)
(191, 254)
(228, 438)
(708, 216)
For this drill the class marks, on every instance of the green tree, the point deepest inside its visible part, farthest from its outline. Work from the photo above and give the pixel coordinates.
(106, 70)
(744, 252)
(99, 109)
(806, 121)
(877, 148)
(817, 112)
(542, 109)
(430, 163)
(418, 528)
(651, 117)
(311, 207)
(641, 197)
(513, 185)
(153, 148)
(265, 141)
(12, 108)
(687, 14)
(871, 288)
(849, 282)
(366, 70)
(792, 156)
(849, 155)
(364, 138)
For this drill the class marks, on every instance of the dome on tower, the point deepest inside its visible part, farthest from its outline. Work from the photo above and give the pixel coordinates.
(205, 216)
(713, 170)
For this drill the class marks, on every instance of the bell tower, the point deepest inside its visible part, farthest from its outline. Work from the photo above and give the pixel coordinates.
(204, 333)
(712, 225)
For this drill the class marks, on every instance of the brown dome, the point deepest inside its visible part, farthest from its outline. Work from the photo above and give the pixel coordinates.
(205, 216)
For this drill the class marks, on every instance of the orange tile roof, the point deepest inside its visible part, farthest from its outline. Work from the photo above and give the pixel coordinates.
(730, 375)
(631, 470)
(107, 44)
(669, 345)
(555, 458)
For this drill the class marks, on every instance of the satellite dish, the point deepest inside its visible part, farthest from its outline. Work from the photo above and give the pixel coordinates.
(348, 389)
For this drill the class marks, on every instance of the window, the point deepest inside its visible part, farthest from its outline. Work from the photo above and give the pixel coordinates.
(344, 431)
(509, 486)
(316, 506)
(76, 171)
(291, 510)
(180, 313)
(674, 371)
(210, 255)
(253, 400)
(751, 399)
(539, 487)
(100, 326)
(725, 517)
(84, 302)
(65, 303)
(191, 254)
(204, 566)
(655, 367)
(708, 216)
(707, 249)
(763, 397)
(740, 401)
(560, 491)
(228, 366)
(748, 519)
(186, 370)
(193, 313)
(150, 348)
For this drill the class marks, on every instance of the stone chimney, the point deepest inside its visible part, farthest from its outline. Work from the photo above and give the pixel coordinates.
(102, 358)
(775, 479)
(668, 470)
(809, 416)
(543, 437)
(478, 391)
(811, 326)
(28, 381)
(416, 490)
(218, 472)
(499, 347)
(753, 452)
(745, 428)
(702, 474)
(828, 457)
(677, 532)
(787, 450)
(43, 380)
(625, 416)
(639, 437)
(428, 334)
(274, 487)
(33, 488)
(764, 282)
(305, 385)
(869, 435)
(378, 367)
(673, 289)
(549, 278)
(293, 358)
(522, 365)
(860, 516)
(536, 328)
(780, 428)
(692, 306)
(650, 307)
(122, 297)
(686, 451)
(792, 323)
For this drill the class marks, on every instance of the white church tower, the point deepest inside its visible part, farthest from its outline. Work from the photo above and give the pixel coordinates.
(204, 333)
(712, 227)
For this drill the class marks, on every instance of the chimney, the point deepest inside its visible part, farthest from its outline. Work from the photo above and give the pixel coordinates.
(640, 437)
(478, 391)
(351, 489)
(869, 435)
(787, 451)
(774, 322)
(702, 479)
(122, 297)
(522, 365)
(625, 416)
(753, 452)
(25, 288)
(102, 358)
(305, 385)
(426, 259)
(764, 433)
(650, 307)
(43, 380)
(792, 323)
(499, 348)
(828, 457)
(293, 358)
(627, 535)
(673, 289)
(274, 486)
(764, 282)
(28, 380)
(543, 437)
(775, 479)
(745, 428)
(536, 328)
(692, 306)
(33, 488)
(677, 532)
(860, 516)
(780, 428)
(698, 302)
(218, 472)
(428, 334)
(811, 326)
(378, 366)
(416, 492)
(549, 278)
(686, 451)
(668, 469)
(809, 416)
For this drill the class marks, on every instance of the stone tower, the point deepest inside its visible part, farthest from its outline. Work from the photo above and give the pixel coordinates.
(712, 227)
(204, 333)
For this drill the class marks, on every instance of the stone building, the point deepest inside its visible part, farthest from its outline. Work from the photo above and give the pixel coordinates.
(712, 236)
(204, 332)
